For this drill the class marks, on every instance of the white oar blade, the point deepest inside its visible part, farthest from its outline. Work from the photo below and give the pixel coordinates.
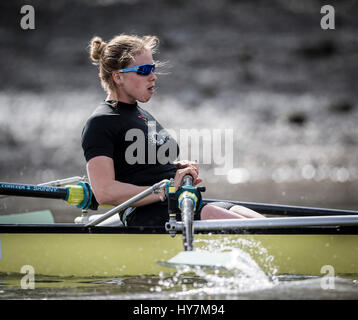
(199, 259)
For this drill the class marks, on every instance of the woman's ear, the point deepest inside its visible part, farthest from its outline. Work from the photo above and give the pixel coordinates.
(117, 78)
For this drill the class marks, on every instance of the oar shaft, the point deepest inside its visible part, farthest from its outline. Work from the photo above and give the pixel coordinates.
(80, 195)
(187, 215)
(34, 191)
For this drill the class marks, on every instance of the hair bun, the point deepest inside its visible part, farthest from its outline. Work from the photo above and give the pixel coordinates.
(97, 47)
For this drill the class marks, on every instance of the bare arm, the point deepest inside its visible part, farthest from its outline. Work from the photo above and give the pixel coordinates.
(107, 190)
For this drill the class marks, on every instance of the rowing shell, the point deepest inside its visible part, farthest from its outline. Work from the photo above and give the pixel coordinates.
(300, 245)
(79, 251)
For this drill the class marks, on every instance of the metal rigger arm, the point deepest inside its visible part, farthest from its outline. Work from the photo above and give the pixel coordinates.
(156, 188)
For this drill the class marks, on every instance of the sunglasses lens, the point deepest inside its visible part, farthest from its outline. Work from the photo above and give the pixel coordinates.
(146, 69)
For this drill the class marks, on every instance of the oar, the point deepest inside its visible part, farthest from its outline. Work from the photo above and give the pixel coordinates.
(187, 202)
(80, 195)
(307, 217)
(206, 259)
(226, 260)
(187, 205)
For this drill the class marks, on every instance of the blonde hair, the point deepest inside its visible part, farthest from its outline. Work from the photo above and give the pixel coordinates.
(117, 54)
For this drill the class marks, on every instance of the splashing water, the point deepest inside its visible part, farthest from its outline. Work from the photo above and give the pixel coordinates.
(241, 274)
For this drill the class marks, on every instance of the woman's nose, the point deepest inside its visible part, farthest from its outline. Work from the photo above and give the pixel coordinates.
(153, 76)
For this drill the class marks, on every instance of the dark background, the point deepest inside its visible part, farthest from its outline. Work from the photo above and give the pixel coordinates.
(265, 69)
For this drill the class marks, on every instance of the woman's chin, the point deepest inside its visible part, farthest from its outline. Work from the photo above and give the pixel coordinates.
(145, 99)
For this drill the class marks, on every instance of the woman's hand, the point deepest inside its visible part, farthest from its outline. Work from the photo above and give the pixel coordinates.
(186, 167)
(181, 164)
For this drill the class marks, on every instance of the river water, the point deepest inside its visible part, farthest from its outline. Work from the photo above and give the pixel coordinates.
(181, 286)
(243, 279)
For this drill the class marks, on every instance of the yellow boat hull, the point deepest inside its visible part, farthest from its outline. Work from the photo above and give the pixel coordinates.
(119, 254)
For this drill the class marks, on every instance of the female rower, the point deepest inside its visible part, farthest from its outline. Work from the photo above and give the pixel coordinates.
(119, 137)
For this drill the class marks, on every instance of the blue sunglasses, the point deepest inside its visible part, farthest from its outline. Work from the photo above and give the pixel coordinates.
(143, 69)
